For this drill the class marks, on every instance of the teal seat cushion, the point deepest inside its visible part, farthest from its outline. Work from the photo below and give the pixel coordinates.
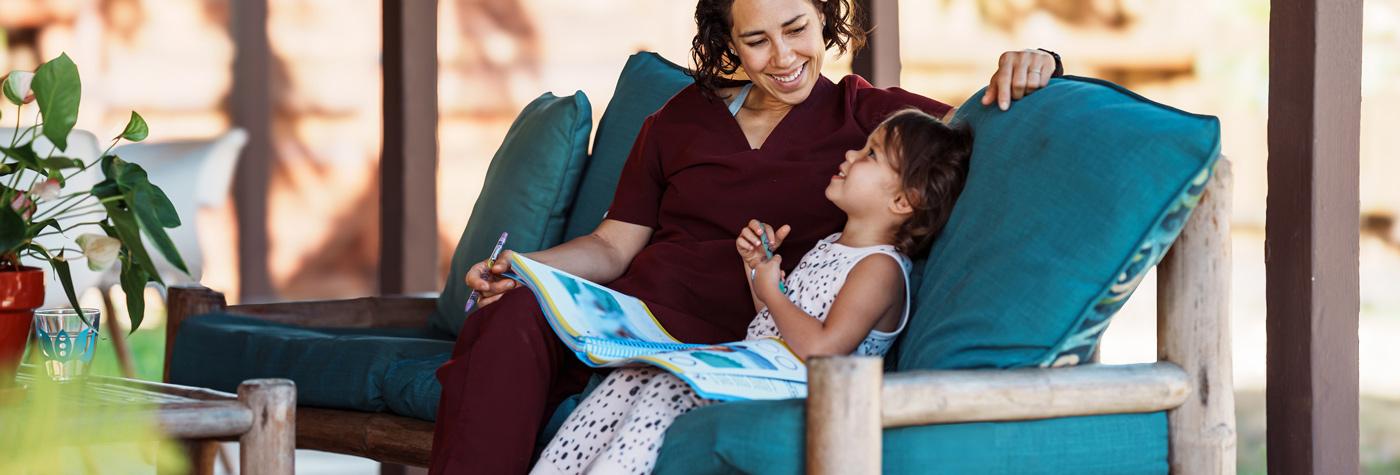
(646, 83)
(529, 189)
(1071, 197)
(411, 387)
(334, 368)
(765, 437)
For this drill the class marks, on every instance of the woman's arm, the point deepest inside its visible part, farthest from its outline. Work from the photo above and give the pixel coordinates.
(872, 296)
(601, 256)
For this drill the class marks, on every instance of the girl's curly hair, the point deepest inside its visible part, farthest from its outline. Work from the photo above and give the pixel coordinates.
(715, 61)
(932, 162)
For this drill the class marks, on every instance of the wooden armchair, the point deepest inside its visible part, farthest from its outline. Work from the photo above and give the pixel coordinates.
(850, 400)
(384, 437)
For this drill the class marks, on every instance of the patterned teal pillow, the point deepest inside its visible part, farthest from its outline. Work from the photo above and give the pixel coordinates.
(1080, 344)
(1071, 196)
(529, 189)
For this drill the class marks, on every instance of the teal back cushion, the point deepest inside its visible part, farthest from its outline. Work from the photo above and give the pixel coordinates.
(646, 83)
(529, 189)
(1071, 197)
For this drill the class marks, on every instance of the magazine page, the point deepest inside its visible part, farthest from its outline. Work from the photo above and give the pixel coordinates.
(583, 312)
(755, 369)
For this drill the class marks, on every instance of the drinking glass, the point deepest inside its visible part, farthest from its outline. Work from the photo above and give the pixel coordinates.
(67, 338)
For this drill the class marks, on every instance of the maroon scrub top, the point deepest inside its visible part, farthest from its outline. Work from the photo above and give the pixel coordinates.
(694, 180)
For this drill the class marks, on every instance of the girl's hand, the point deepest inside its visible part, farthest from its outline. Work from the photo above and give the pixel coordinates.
(765, 280)
(1019, 73)
(490, 290)
(750, 245)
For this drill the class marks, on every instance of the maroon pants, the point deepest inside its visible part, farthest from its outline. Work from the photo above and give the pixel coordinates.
(507, 373)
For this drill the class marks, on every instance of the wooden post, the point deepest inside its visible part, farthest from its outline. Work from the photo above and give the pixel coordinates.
(879, 62)
(843, 415)
(250, 107)
(408, 163)
(1193, 331)
(1312, 236)
(269, 447)
(184, 302)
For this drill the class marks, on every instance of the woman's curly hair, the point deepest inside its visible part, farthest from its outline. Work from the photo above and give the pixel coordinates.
(715, 61)
(932, 162)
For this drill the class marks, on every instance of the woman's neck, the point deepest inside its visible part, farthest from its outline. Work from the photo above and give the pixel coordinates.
(762, 102)
(867, 232)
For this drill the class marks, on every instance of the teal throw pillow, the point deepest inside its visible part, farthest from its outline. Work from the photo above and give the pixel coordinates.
(646, 83)
(1072, 195)
(529, 189)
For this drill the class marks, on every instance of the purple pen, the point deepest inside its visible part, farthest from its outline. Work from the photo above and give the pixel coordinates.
(500, 243)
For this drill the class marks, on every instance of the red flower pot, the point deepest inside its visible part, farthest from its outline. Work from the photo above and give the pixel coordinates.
(21, 292)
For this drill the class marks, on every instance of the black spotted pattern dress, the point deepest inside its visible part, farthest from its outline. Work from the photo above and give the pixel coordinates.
(619, 428)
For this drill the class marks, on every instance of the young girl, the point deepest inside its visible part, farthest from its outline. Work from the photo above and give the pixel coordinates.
(849, 294)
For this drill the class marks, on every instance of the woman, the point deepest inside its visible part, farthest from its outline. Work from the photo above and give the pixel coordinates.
(719, 153)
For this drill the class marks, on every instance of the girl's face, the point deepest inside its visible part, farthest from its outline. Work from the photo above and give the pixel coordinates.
(867, 181)
(780, 46)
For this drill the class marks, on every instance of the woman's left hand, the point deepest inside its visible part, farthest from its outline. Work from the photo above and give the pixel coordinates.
(1018, 73)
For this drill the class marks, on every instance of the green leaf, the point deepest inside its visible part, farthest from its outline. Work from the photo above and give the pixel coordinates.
(146, 197)
(149, 198)
(58, 90)
(134, 280)
(136, 129)
(109, 166)
(106, 189)
(39, 226)
(153, 224)
(60, 163)
(65, 276)
(25, 156)
(129, 175)
(125, 227)
(12, 230)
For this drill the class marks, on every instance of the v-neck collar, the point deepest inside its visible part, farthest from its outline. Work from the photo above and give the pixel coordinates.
(820, 93)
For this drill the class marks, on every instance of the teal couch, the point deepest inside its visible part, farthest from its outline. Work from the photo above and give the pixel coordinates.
(373, 361)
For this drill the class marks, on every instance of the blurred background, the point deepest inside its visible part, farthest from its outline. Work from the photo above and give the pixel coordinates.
(171, 60)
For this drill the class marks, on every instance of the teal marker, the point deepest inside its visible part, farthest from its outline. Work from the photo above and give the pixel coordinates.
(768, 253)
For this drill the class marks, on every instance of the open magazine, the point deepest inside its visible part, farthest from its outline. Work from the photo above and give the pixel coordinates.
(605, 327)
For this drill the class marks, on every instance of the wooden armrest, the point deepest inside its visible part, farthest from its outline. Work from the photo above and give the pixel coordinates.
(363, 312)
(940, 397)
(848, 404)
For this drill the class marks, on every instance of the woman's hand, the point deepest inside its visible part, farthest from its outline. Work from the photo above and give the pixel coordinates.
(750, 245)
(765, 280)
(489, 291)
(1018, 73)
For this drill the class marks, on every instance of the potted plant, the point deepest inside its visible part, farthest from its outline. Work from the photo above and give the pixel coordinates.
(106, 221)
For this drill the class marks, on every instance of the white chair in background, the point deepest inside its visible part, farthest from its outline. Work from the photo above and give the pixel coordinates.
(194, 174)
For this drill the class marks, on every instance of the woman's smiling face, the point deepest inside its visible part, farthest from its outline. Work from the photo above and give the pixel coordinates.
(780, 46)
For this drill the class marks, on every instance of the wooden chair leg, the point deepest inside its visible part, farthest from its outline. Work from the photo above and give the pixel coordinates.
(117, 332)
(226, 460)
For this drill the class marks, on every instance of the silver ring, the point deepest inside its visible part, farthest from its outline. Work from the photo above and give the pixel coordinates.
(753, 273)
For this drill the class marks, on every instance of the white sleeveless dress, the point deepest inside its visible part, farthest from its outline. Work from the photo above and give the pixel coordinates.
(619, 427)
